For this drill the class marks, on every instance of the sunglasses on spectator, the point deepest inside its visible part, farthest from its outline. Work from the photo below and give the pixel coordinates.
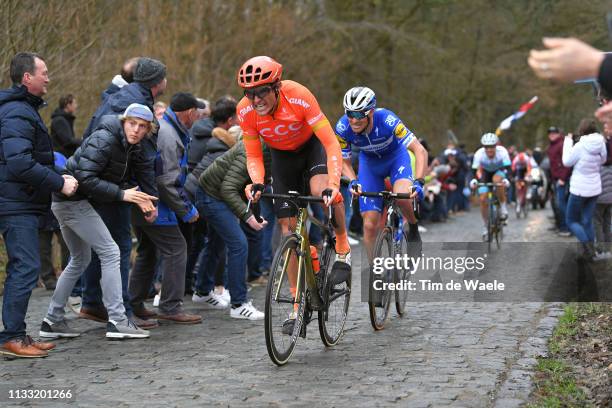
(260, 92)
(356, 114)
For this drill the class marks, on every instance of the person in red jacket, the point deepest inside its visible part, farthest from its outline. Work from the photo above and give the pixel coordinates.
(560, 178)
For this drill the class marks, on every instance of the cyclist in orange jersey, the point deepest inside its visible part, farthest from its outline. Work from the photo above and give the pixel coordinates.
(285, 115)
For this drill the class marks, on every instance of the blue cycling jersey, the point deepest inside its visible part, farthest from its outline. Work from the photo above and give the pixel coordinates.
(387, 136)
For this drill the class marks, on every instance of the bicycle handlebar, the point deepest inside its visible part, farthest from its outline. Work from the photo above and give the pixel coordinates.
(293, 196)
(385, 194)
(490, 184)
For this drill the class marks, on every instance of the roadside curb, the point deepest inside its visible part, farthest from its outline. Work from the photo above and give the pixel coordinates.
(516, 387)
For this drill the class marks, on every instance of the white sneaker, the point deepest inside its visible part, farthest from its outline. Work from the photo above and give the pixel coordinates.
(352, 241)
(344, 258)
(246, 311)
(74, 303)
(212, 300)
(156, 300)
(602, 256)
(504, 211)
(226, 295)
(422, 228)
(485, 233)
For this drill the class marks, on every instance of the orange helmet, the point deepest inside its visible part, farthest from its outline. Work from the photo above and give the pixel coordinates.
(259, 71)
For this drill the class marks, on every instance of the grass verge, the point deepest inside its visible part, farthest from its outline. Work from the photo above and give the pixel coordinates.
(577, 372)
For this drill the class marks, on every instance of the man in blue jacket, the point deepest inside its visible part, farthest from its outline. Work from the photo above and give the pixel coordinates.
(149, 83)
(27, 178)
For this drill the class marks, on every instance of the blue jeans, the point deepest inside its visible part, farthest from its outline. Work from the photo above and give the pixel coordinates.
(20, 234)
(223, 226)
(267, 212)
(561, 196)
(254, 239)
(579, 214)
(117, 218)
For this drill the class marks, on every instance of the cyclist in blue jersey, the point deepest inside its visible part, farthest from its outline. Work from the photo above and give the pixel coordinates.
(383, 141)
(491, 164)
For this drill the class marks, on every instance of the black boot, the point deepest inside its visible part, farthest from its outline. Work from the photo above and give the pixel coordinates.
(588, 251)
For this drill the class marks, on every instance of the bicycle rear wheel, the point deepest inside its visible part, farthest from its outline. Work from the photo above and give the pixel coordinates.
(380, 300)
(281, 304)
(401, 274)
(337, 298)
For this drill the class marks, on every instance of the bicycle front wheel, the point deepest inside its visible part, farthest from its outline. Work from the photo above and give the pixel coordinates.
(284, 315)
(379, 294)
(337, 298)
(491, 226)
(499, 231)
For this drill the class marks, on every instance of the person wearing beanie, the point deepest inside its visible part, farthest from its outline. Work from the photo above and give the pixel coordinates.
(118, 222)
(175, 211)
(149, 72)
(104, 166)
(149, 82)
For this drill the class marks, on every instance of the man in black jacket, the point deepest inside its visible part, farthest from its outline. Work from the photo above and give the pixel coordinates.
(105, 165)
(62, 126)
(27, 178)
(223, 115)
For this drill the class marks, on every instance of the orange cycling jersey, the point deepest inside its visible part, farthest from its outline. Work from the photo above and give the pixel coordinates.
(296, 117)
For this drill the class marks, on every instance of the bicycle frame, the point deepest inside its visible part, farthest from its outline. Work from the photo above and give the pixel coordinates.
(303, 252)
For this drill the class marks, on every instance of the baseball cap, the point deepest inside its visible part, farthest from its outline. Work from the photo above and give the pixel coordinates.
(137, 110)
(183, 101)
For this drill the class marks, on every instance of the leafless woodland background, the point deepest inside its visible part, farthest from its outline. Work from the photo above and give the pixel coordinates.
(439, 64)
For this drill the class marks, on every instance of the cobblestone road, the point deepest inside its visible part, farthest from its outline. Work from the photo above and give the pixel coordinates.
(457, 354)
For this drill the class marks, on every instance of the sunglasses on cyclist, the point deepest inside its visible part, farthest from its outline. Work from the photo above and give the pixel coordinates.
(260, 92)
(356, 114)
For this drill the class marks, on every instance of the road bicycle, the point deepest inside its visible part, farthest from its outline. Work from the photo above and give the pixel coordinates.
(292, 298)
(495, 224)
(392, 240)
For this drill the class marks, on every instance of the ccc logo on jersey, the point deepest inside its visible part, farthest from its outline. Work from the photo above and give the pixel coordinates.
(281, 130)
(400, 131)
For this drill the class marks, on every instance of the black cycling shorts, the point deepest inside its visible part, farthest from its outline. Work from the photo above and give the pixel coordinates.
(520, 173)
(291, 171)
(487, 176)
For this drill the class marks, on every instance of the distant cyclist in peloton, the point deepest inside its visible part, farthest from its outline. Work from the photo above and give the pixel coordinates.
(491, 163)
(383, 141)
(286, 116)
(521, 171)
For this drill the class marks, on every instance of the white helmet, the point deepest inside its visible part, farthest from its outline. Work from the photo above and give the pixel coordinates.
(489, 139)
(359, 99)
